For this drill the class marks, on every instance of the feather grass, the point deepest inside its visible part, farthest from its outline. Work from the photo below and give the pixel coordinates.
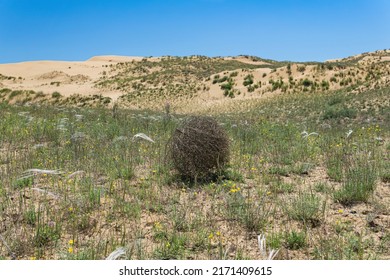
(142, 136)
(117, 253)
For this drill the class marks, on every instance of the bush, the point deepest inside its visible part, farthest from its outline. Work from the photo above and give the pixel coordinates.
(359, 184)
(199, 148)
(334, 112)
(305, 207)
(248, 80)
(56, 94)
(307, 83)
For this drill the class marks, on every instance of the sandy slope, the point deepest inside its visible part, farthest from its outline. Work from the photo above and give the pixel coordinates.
(73, 76)
(81, 77)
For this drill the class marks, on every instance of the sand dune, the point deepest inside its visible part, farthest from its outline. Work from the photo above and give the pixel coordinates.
(174, 77)
(68, 77)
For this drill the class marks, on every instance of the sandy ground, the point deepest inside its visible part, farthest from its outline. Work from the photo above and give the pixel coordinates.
(80, 77)
(67, 77)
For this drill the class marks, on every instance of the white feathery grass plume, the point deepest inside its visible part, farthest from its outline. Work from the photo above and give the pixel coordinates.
(23, 114)
(62, 124)
(53, 195)
(263, 248)
(79, 117)
(32, 172)
(305, 134)
(349, 133)
(78, 172)
(38, 146)
(153, 118)
(8, 248)
(77, 136)
(44, 171)
(61, 127)
(116, 254)
(142, 136)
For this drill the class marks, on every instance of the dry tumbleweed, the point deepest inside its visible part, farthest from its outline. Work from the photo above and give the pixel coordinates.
(199, 147)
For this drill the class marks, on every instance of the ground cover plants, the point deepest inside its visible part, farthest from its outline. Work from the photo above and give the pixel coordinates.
(78, 183)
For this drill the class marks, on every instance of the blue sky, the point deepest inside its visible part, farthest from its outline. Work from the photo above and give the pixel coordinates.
(294, 30)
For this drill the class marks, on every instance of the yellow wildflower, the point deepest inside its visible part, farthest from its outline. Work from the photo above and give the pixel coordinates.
(157, 226)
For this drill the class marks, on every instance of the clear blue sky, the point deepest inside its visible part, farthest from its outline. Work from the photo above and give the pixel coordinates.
(283, 30)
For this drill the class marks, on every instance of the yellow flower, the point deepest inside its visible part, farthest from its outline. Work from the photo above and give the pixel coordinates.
(341, 211)
(71, 242)
(218, 233)
(168, 245)
(269, 193)
(70, 250)
(157, 226)
(33, 258)
(70, 209)
(211, 235)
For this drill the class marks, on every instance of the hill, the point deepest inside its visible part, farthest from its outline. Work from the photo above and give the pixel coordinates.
(189, 84)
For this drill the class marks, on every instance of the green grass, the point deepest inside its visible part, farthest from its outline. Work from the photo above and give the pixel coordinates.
(125, 193)
(359, 183)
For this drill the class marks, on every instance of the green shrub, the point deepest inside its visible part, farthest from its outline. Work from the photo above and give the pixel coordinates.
(304, 207)
(336, 112)
(306, 82)
(359, 184)
(56, 94)
(248, 80)
(295, 240)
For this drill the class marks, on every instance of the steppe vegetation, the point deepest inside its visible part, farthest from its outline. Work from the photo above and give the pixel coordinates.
(76, 183)
(309, 166)
(144, 84)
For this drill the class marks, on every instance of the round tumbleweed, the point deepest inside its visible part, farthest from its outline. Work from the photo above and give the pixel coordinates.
(199, 147)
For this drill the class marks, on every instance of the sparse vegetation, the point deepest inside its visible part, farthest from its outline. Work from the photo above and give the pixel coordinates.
(78, 180)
